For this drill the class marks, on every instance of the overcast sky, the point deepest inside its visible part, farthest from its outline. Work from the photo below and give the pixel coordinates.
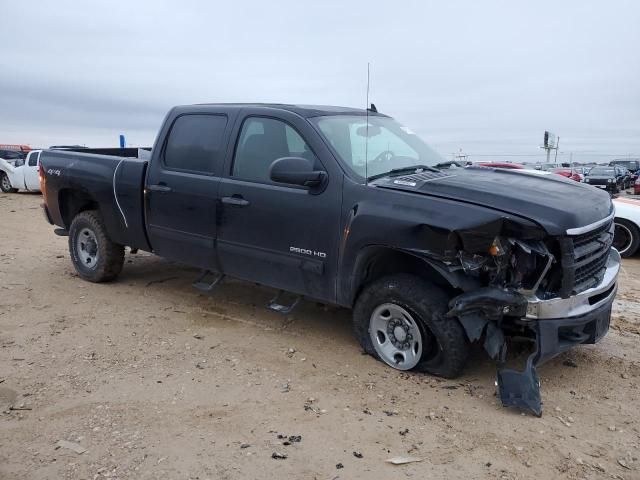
(486, 77)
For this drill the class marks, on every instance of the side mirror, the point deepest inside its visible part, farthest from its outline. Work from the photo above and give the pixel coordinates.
(296, 171)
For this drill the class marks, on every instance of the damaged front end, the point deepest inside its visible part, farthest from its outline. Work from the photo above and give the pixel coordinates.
(518, 282)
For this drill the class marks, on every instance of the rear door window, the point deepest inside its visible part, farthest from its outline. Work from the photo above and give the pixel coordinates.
(195, 143)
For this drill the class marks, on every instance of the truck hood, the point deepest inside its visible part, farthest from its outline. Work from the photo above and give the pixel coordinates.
(552, 201)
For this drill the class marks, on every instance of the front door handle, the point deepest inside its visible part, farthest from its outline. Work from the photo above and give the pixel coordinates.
(159, 188)
(235, 200)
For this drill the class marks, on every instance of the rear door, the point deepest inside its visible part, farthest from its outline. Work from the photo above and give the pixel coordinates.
(282, 236)
(182, 185)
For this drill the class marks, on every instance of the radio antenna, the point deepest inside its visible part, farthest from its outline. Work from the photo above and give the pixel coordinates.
(366, 142)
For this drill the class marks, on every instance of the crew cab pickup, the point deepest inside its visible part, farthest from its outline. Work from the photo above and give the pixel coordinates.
(342, 206)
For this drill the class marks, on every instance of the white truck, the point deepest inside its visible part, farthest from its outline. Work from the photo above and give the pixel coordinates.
(21, 176)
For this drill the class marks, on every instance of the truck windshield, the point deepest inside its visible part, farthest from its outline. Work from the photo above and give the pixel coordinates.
(384, 144)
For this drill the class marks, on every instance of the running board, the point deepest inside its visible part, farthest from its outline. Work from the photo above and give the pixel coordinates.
(206, 286)
(276, 306)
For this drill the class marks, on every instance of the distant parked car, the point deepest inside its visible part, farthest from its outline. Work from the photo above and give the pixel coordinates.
(608, 178)
(515, 166)
(632, 165)
(451, 164)
(636, 187)
(584, 171)
(12, 156)
(23, 175)
(545, 166)
(626, 238)
(628, 177)
(568, 173)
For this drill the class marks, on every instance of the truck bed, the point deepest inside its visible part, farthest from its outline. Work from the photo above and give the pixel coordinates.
(115, 186)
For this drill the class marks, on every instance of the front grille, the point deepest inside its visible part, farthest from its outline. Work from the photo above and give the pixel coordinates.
(584, 259)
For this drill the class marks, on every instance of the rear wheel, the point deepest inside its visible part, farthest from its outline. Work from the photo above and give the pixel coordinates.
(5, 184)
(401, 320)
(626, 238)
(95, 257)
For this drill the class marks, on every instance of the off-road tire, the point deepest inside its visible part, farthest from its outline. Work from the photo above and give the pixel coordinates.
(5, 184)
(634, 232)
(110, 255)
(428, 305)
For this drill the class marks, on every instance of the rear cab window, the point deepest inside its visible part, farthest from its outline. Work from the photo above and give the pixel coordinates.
(33, 159)
(195, 143)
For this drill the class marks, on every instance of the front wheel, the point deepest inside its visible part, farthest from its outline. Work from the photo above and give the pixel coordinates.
(626, 237)
(401, 320)
(5, 184)
(95, 257)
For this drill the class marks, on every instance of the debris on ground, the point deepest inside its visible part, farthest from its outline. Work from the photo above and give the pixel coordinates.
(339, 466)
(622, 462)
(403, 460)
(76, 447)
(279, 456)
(357, 454)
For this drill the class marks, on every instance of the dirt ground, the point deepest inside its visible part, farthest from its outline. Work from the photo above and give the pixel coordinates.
(159, 381)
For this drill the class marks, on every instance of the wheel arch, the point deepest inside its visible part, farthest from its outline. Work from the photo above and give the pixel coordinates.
(71, 202)
(374, 262)
(633, 227)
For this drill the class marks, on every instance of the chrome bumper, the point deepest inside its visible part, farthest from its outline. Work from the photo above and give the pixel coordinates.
(582, 303)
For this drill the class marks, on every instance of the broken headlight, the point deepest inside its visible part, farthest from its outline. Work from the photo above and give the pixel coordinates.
(509, 263)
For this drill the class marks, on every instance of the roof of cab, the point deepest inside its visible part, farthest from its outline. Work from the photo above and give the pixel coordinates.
(302, 110)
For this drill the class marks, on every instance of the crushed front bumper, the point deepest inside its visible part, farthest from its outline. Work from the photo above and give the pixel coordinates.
(559, 324)
(562, 323)
(555, 325)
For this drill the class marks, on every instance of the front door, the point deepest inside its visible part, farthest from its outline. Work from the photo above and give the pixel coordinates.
(181, 190)
(278, 235)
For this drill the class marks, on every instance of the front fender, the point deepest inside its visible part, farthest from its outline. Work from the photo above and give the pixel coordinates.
(12, 172)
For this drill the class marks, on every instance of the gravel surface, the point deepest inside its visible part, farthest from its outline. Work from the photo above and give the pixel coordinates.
(147, 378)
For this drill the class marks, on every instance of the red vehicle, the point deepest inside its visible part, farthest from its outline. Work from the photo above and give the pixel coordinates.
(515, 166)
(569, 173)
(636, 186)
(17, 148)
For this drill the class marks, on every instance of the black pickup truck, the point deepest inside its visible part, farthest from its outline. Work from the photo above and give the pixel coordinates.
(343, 206)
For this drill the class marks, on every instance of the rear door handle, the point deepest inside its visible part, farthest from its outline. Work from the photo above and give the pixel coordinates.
(159, 188)
(236, 200)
